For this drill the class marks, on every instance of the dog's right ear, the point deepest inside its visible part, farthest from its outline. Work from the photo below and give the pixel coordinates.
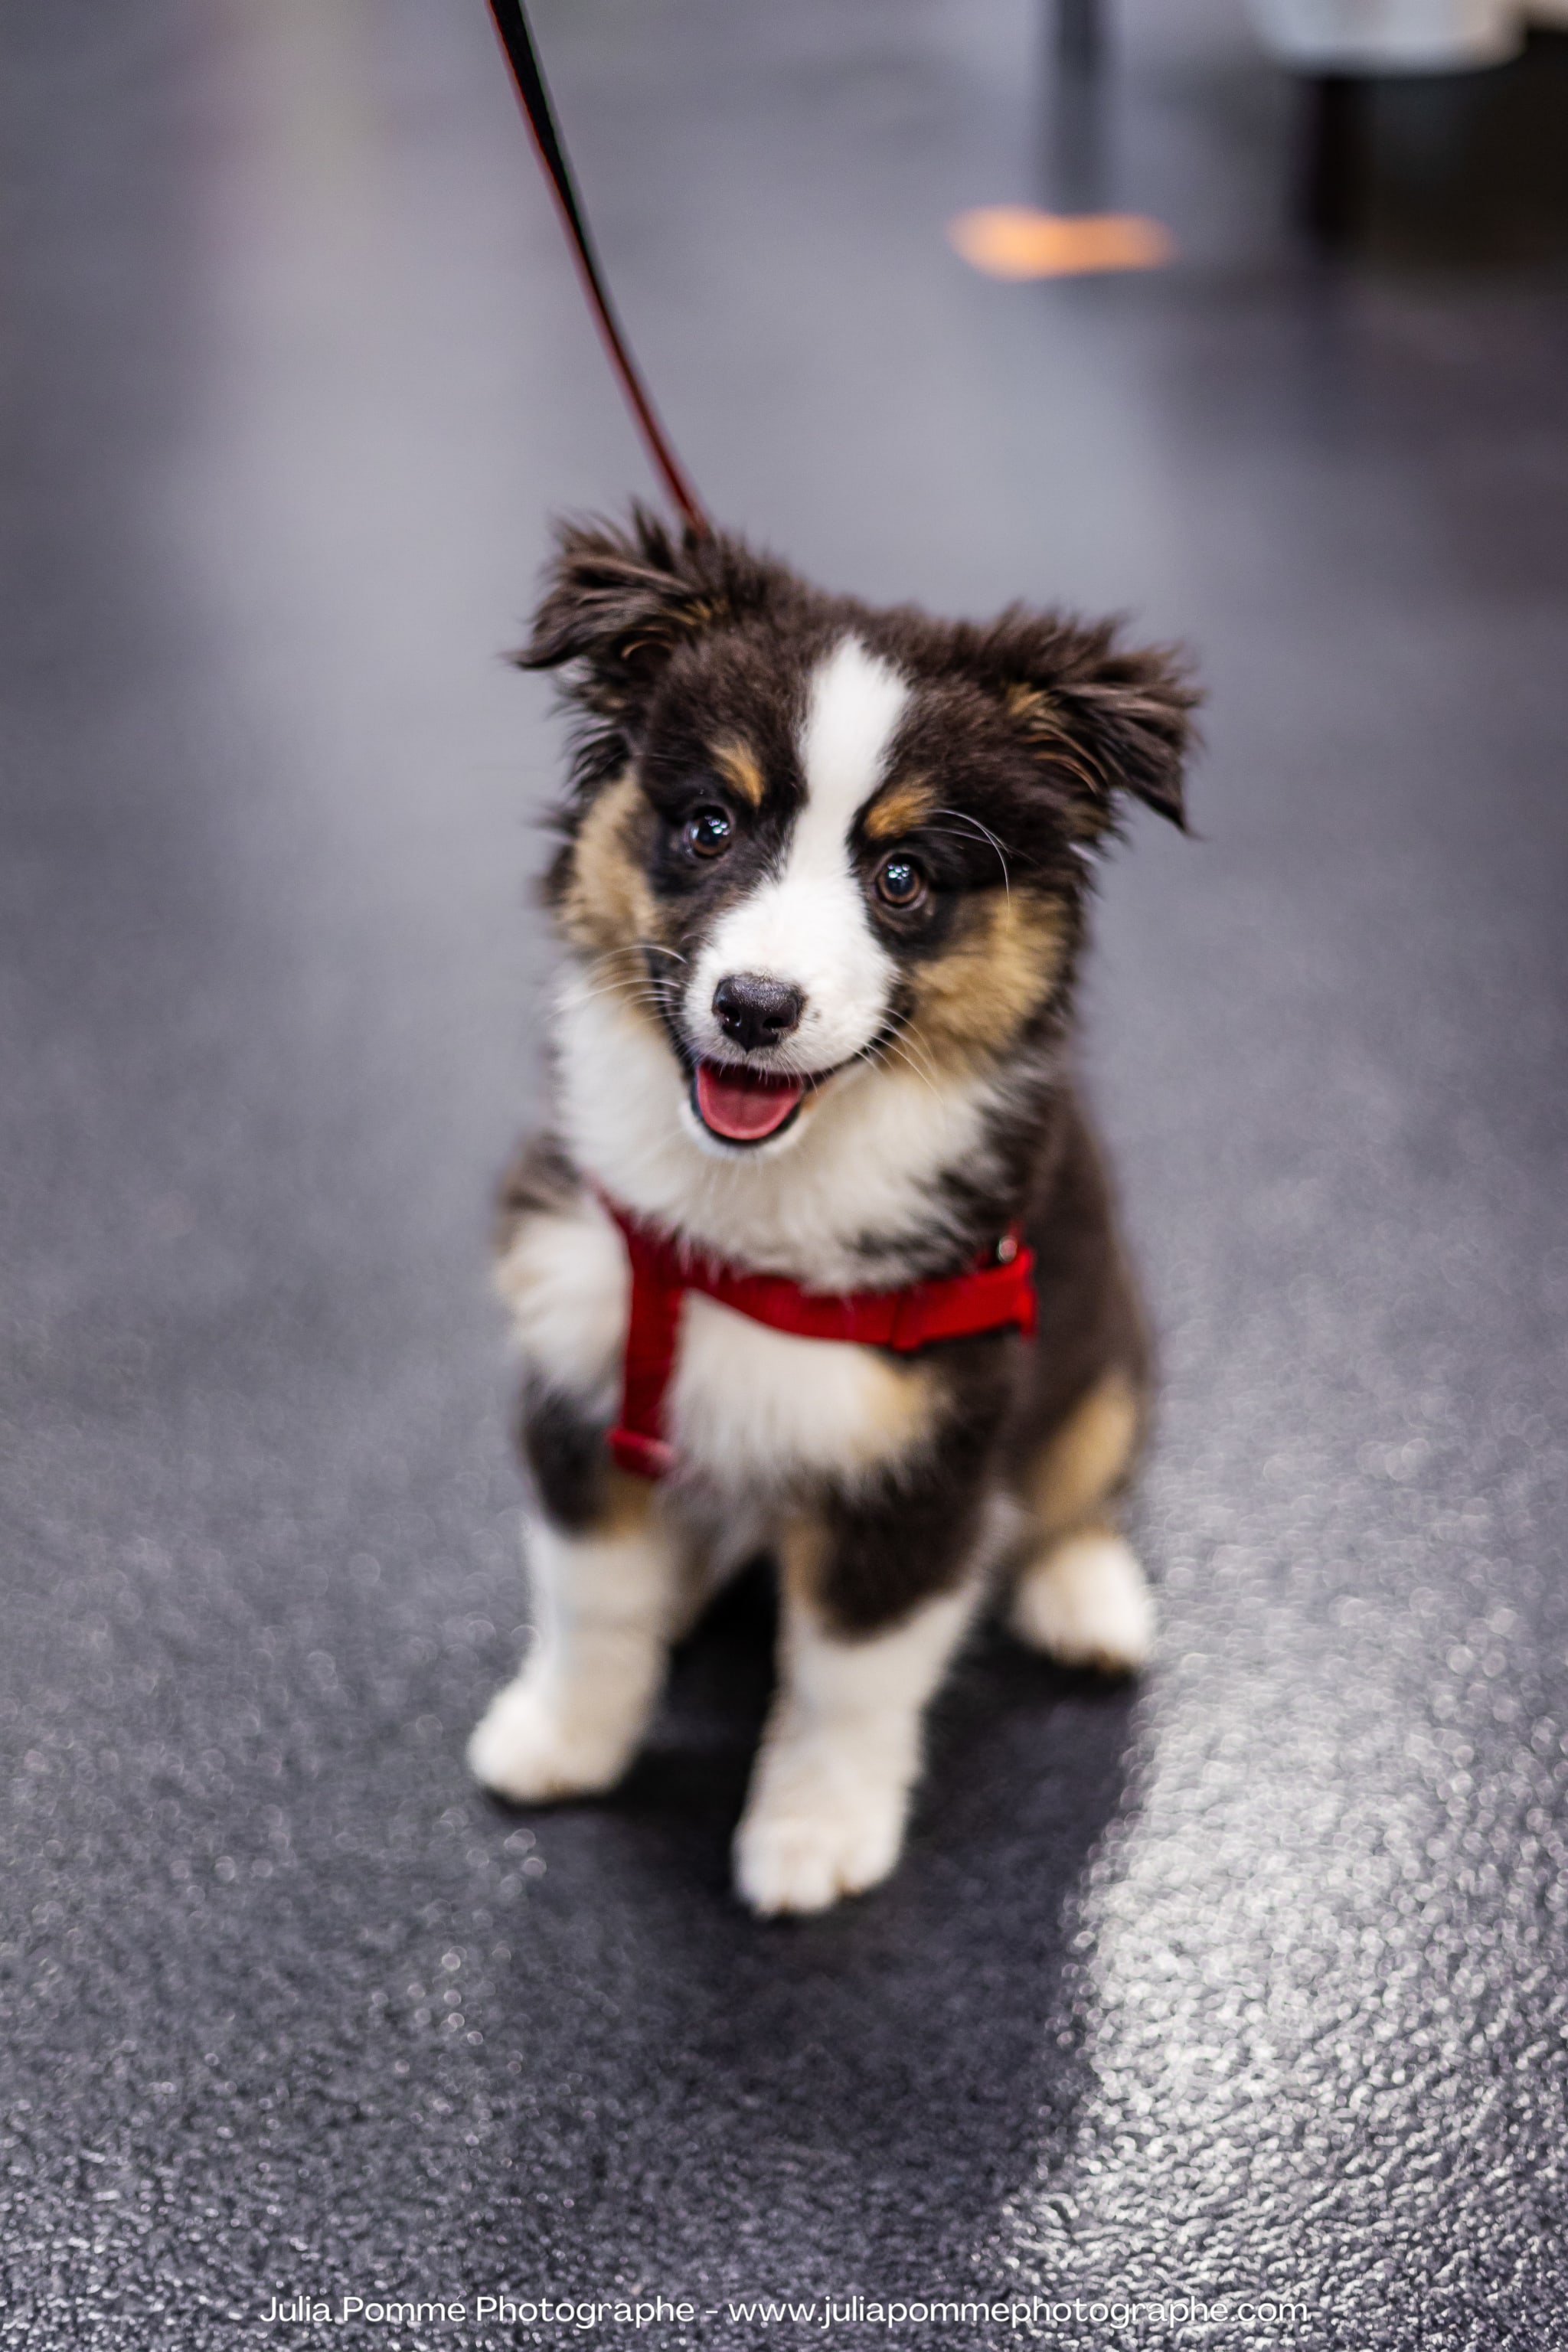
(619, 601)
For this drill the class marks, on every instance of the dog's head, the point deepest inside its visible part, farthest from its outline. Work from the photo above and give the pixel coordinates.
(804, 835)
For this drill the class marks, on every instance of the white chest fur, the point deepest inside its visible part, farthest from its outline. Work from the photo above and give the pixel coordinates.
(749, 1408)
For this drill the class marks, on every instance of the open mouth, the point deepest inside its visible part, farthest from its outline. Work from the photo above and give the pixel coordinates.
(742, 1105)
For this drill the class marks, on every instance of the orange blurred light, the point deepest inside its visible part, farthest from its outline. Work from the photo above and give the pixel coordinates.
(1017, 241)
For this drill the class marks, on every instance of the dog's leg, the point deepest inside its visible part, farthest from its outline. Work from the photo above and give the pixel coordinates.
(830, 1794)
(606, 1599)
(1085, 1603)
(1080, 1594)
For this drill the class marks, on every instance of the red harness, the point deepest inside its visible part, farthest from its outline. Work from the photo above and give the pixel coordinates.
(996, 1293)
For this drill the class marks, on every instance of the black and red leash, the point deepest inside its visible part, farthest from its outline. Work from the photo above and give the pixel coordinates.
(517, 40)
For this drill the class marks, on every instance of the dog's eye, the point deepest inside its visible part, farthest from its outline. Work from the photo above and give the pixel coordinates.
(708, 832)
(900, 880)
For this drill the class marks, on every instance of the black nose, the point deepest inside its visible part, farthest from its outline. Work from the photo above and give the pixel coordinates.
(756, 1011)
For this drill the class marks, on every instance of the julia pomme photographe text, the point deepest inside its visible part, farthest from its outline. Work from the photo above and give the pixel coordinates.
(1035, 2315)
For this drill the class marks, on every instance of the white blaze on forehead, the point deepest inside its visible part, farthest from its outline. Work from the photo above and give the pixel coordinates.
(808, 924)
(856, 702)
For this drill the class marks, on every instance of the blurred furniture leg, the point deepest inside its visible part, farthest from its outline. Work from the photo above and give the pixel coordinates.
(1080, 32)
(1333, 161)
(1339, 47)
(1073, 165)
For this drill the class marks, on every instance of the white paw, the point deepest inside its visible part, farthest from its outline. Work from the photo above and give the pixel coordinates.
(1087, 1604)
(806, 1839)
(528, 1747)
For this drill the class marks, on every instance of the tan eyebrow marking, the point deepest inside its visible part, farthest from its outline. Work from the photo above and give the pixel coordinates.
(899, 809)
(738, 764)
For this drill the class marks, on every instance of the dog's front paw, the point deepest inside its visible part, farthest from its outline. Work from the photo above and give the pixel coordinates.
(530, 1747)
(1087, 1604)
(809, 1836)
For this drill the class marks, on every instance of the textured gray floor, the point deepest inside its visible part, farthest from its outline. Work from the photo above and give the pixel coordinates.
(1251, 1986)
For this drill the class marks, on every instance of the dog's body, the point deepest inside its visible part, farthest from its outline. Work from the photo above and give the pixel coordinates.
(822, 893)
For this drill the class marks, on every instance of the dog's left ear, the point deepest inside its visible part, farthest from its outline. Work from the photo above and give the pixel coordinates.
(1100, 718)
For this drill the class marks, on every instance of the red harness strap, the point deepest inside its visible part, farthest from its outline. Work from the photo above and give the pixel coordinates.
(996, 1293)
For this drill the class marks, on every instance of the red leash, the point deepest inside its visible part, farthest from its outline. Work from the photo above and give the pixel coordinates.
(997, 1292)
(517, 40)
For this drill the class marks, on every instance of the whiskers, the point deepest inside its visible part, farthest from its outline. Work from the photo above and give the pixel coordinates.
(902, 1046)
(637, 952)
(635, 985)
(985, 834)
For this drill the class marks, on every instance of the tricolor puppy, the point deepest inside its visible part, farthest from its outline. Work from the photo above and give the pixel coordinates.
(822, 890)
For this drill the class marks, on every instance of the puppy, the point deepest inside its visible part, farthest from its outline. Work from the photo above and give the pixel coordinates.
(821, 888)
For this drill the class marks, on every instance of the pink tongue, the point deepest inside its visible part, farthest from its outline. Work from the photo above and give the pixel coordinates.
(742, 1104)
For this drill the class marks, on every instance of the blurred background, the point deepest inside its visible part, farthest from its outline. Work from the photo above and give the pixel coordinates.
(1248, 1984)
